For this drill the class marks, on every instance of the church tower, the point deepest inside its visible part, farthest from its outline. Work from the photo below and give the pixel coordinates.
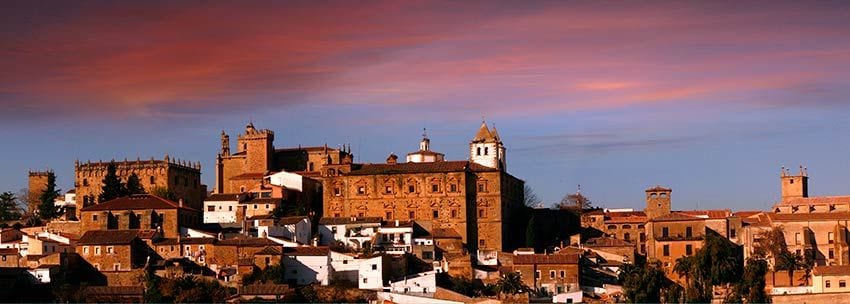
(258, 147)
(794, 186)
(657, 202)
(486, 148)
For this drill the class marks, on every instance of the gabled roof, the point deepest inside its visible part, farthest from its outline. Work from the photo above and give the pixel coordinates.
(269, 251)
(607, 242)
(429, 167)
(842, 270)
(484, 134)
(710, 214)
(658, 188)
(831, 216)
(136, 202)
(291, 220)
(526, 259)
(248, 242)
(223, 197)
(348, 220)
(817, 200)
(675, 217)
(445, 233)
(8, 251)
(108, 237)
(306, 251)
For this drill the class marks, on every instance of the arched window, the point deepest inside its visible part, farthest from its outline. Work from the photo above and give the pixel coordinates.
(85, 182)
(479, 151)
(627, 226)
(653, 195)
(486, 150)
(612, 227)
(627, 236)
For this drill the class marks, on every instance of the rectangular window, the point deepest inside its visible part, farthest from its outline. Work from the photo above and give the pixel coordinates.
(388, 190)
(229, 208)
(563, 274)
(116, 266)
(798, 238)
(453, 188)
(411, 215)
(374, 266)
(85, 250)
(482, 187)
(665, 232)
(481, 243)
(831, 253)
(551, 274)
(842, 284)
(827, 284)
(689, 249)
(361, 190)
(4, 258)
(94, 217)
(336, 191)
(454, 213)
(666, 250)
(96, 250)
(211, 208)
(256, 206)
(436, 214)
(732, 233)
(689, 232)
(435, 188)
(267, 206)
(389, 215)
(830, 237)
(428, 255)
(537, 274)
(411, 189)
(110, 250)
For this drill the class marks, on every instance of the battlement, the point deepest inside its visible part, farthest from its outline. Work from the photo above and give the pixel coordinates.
(44, 173)
(138, 163)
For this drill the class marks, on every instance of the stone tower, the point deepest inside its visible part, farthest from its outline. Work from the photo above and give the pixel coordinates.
(657, 202)
(258, 148)
(225, 144)
(37, 185)
(794, 186)
(486, 148)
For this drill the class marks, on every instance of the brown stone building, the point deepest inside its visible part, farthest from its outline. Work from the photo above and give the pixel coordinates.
(10, 258)
(554, 273)
(113, 250)
(256, 157)
(37, 184)
(140, 212)
(177, 176)
(479, 202)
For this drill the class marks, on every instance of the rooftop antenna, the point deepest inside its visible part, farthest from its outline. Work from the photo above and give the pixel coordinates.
(424, 133)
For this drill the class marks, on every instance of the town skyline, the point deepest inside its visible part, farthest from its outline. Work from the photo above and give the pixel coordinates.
(708, 100)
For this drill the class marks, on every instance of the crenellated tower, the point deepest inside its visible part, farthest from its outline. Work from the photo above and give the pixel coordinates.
(258, 147)
(794, 186)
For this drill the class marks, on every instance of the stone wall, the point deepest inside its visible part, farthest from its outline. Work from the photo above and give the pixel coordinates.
(812, 298)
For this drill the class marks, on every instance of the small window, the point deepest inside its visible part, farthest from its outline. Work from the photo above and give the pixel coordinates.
(830, 237)
(388, 190)
(4, 258)
(374, 266)
(689, 249)
(481, 213)
(454, 213)
(689, 232)
(665, 232)
(85, 250)
(563, 274)
(389, 215)
(361, 190)
(479, 151)
(551, 274)
(361, 214)
(627, 237)
(486, 150)
(792, 181)
(436, 214)
(256, 206)
(110, 250)
(210, 208)
(344, 262)
(411, 188)
(365, 280)
(336, 191)
(732, 233)
(612, 227)
(481, 243)
(435, 188)
(267, 206)
(831, 253)
(666, 250)
(85, 182)
(842, 284)
(537, 274)
(94, 217)
(798, 238)
(482, 187)
(96, 250)
(411, 215)
(827, 284)
(153, 180)
(116, 266)
(453, 188)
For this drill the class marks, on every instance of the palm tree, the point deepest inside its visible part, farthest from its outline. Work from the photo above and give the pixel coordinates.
(788, 261)
(511, 283)
(683, 269)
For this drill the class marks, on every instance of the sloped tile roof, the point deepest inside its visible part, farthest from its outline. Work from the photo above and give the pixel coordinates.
(445, 233)
(348, 220)
(306, 251)
(843, 270)
(606, 242)
(430, 167)
(658, 188)
(6, 251)
(269, 251)
(264, 289)
(115, 290)
(817, 200)
(712, 214)
(526, 259)
(108, 237)
(136, 202)
(291, 220)
(786, 217)
(247, 242)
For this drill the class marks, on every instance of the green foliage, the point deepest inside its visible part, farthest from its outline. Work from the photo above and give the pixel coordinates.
(788, 261)
(9, 207)
(164, 193)
(751, 287)
(271, 274)
(471, 288)
(644, 283)
(134, 186)
(718, 262)
(47, 208)
(531, 239)
(511, 283)
(187, 289)
(112, 186)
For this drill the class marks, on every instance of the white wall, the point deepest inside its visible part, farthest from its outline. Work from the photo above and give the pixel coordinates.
(425, 282)
(225, 212)
(371, 273)
(290, 181)
(307, 269)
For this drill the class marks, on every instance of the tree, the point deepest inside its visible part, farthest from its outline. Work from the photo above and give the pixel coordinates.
(9, 207)
(684, 267)
(47, 208)
(575, 201)
(511, 283)
(531, 238)
(164, 193)
(112, 186)
(643, 283)
(751, 287)
(788, 261)
(134, 186)
(530, 197)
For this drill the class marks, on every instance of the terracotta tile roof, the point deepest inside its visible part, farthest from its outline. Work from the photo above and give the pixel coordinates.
(484, 134)
(843, 270)
(269, 251)
(306, 251)
(136, 202)
(530, 259)
(147, 234)
(223, 197)
(264, 289)
(606, 242)
(431, 167)
(291, 220)
(348, 220)
(245, 262)
(261, 200)
(115, 290)
(658, 188)
(250, 175)
(247, 242)
(7, 251)
(712, 214)
(743, 214)
(817, 200)
(261, 217)
(445, 233)
(70, 236)
(675, 217)
(108, 237)
(786, 217)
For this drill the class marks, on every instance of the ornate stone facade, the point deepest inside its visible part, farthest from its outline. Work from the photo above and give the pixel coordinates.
(180, 177)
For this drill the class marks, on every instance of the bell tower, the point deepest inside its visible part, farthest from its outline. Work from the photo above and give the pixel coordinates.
(657, 202)
(794, 186)
(258, 148)
(486, 148)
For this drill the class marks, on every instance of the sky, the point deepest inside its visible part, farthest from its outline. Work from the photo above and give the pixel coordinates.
(708, 98)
